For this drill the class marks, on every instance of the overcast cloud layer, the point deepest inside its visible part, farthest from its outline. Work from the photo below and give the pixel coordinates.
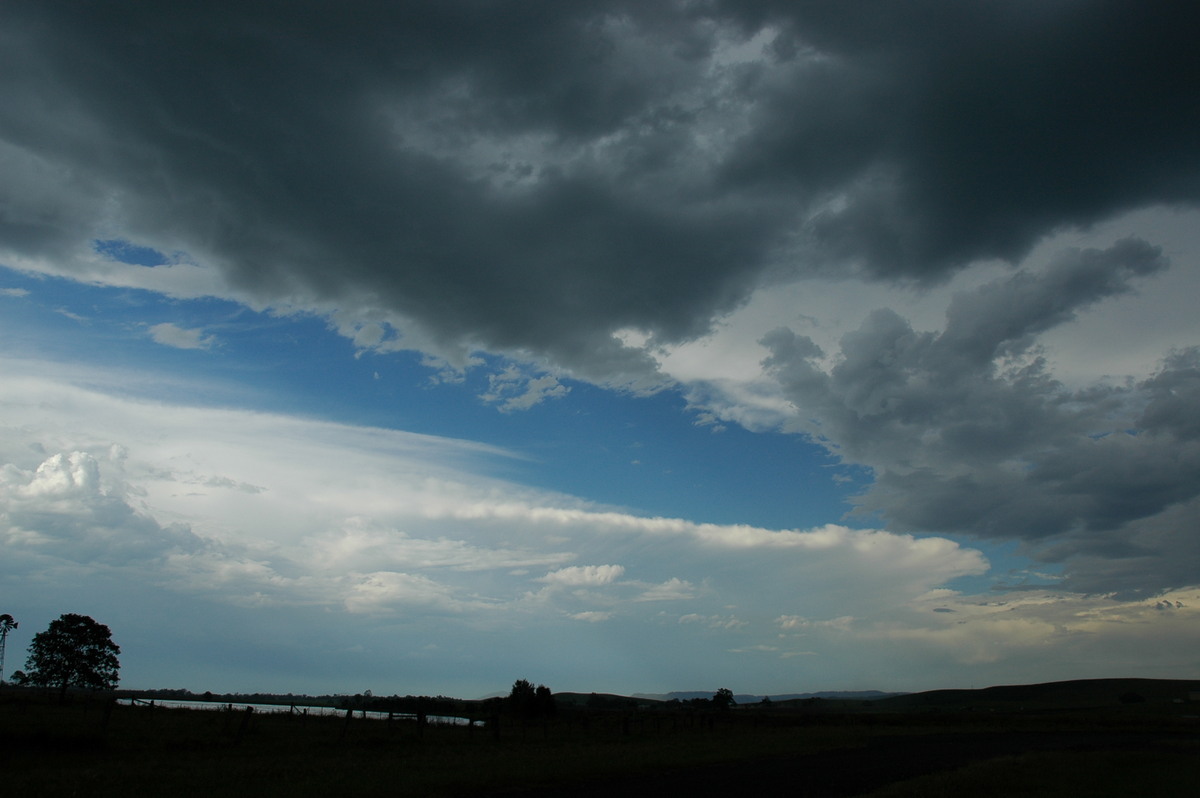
(538, 176)
(947, 242)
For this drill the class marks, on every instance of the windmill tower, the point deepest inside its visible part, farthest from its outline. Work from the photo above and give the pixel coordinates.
(7, 624)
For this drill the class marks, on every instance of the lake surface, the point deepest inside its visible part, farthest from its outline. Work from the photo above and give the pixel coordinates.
(286, 709)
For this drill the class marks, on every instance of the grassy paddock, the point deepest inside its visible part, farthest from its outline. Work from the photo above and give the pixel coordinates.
(95, 748)
(1064, 774)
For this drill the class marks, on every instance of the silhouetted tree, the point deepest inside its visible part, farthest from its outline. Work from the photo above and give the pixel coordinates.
(526, 701)
(521, 697)
(723, 699)
(74, 651)
(544, 701)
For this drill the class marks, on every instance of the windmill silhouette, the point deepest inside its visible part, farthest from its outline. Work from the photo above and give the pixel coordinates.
(7, 624)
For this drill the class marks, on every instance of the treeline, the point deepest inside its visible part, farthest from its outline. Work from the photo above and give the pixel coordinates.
(181, 694)
(524, 701)
(409, 704)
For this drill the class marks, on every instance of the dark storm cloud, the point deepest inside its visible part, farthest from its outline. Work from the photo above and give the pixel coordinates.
(530, 177)
(332, 153)
(967, 432)
(954, 131)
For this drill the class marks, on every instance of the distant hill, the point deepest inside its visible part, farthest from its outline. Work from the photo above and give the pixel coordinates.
(1081, 694)
(603, 700)
(843, 695)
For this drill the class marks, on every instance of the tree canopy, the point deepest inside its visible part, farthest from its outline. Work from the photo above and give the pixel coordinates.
(723, 698)
(75, 651)
(529, 702)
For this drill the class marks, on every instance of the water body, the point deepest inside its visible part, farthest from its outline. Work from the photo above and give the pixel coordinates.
(288, 709)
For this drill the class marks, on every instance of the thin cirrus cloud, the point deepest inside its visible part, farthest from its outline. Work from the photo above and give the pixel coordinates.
(176, 514)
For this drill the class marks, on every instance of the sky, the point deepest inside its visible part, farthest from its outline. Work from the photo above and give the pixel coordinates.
(621, 347)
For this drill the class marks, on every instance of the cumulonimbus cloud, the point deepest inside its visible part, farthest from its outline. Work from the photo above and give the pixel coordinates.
(967, 431)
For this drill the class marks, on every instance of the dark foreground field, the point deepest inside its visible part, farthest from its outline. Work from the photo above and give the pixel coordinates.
(93, 748)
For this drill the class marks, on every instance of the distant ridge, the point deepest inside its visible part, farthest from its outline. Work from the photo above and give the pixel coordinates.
(1045, 696)
(843, 695)
(1077, 693)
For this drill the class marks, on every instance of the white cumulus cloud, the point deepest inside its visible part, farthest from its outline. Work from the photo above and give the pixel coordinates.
(178, 337)
(577, 575)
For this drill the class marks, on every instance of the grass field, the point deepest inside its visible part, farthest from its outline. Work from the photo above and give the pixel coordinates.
(93, 748)
(1167, 773)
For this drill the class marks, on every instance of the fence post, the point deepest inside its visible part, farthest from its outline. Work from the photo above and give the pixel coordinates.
(245, 722)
